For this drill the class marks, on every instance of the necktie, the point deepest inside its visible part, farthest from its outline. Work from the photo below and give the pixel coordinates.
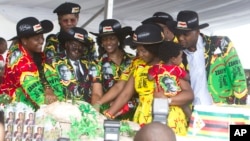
(78, 71)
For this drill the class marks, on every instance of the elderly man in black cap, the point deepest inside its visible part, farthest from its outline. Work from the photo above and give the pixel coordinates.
(71, 69)
(216, 76)
(68, 17)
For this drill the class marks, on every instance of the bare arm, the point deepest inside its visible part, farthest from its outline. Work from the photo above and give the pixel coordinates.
(50, 97)
(123, 97)
(97, 93)
(151, 73)
(185, 96)
(187, 77)
(113, 92)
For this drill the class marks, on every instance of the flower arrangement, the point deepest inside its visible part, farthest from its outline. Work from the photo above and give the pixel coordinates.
(89, 126)
(86, 124)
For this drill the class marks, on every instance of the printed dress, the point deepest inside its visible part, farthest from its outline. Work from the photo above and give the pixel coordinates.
(130, 69)
(143, 115)
(22, 79)
(167, 77)
(108, 73)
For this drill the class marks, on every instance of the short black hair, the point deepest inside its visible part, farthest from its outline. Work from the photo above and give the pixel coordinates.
(168, 50)
(153, 48)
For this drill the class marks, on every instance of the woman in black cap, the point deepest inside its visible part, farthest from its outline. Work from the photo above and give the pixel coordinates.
(24, 78)
(148, 38)
(167, 23)
(113, 59)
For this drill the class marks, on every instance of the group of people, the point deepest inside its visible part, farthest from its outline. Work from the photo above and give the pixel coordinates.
(173, 61)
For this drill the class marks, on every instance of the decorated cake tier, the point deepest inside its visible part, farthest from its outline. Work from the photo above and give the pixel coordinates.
(213, 121)
(79, 121)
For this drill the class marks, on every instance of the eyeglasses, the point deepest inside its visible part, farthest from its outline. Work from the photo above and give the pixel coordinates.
(75, 47)
(69, 20)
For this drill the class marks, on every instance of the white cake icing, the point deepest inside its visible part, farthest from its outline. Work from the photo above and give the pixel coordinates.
(63, 112)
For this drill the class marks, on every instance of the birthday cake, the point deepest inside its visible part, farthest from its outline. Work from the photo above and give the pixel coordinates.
(78, 121)
(213, 121)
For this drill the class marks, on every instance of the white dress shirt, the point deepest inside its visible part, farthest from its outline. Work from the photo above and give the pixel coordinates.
(198, 78)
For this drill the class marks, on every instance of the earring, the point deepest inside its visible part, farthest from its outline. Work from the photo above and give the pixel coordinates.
(118, 43)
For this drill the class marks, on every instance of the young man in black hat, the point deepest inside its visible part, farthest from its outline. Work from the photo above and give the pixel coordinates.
(68, 17)
(167, 23)
(216, 76)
